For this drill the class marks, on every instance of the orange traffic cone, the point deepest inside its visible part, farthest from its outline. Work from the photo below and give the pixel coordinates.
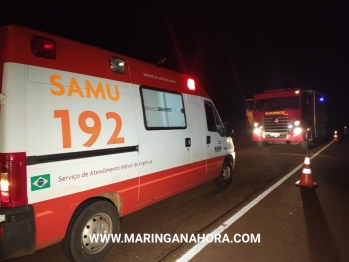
(335, 137)
(306, 176)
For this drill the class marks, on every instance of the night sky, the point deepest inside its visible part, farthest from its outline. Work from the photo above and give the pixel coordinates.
(235, 48)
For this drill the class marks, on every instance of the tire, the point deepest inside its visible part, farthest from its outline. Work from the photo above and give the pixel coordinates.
(226, 176)
(93, 216)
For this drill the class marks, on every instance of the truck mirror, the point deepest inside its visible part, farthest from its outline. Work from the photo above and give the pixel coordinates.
(228, 128)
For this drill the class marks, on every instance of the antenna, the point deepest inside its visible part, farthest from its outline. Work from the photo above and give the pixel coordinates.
(162, 60)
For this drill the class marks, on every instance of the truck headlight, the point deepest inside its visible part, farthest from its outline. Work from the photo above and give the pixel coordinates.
(255, 124)
(297, 130)
(257, 131)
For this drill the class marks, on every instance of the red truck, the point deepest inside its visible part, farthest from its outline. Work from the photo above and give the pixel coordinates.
(289, 116)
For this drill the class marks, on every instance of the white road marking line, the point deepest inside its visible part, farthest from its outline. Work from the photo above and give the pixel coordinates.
(199, 246)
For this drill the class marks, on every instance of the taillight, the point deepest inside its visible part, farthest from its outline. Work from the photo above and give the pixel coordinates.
(13, 180)
(43, 47)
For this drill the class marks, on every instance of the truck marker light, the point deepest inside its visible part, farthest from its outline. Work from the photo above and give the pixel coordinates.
(191, 84)
(297, 123)
(255, 124)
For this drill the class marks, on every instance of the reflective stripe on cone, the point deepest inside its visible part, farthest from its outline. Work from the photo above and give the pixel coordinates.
(306, 176)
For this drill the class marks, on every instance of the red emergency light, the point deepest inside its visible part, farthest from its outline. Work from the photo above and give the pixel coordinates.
(191, 84)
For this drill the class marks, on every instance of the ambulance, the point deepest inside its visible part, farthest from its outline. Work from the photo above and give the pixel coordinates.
(88, 135)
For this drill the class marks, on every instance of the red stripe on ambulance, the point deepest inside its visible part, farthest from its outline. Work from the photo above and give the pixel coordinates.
(88, 135)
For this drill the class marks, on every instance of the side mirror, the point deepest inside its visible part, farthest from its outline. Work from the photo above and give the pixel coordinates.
(228, 128)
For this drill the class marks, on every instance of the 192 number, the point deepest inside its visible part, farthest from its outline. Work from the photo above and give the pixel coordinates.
(93, 130)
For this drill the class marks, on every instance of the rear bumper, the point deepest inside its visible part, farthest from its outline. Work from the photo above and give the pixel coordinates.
(17, 225)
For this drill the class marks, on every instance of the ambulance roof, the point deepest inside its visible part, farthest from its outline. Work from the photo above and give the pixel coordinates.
(73, 56)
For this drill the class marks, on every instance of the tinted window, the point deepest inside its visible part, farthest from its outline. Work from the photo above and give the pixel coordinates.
(162, 109)
(214, 123)
(279, 103)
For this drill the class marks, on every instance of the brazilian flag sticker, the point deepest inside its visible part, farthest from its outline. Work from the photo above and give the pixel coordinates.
(40, 182)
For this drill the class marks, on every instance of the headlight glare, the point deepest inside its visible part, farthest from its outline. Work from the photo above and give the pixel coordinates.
(297, 130)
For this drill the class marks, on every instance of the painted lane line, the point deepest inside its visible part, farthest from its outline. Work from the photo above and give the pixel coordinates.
(199, 246)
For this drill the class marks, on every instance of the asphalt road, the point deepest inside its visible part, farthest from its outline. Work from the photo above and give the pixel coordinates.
(294, 224)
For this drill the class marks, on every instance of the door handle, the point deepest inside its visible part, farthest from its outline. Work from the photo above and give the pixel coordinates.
(187, 142)
(208, 140)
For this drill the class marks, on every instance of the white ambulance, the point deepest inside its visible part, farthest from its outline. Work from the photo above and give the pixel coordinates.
(88, 135)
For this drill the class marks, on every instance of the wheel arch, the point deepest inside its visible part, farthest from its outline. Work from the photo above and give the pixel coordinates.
(111, 197)
(231, 159)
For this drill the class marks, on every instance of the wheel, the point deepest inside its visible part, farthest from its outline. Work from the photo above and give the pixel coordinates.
(225, 177)
(94, 216)
(305, 145)
(262, 144)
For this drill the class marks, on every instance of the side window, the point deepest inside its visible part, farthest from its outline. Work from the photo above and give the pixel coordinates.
(220, 126)
(162, 109)
(210, 118)
(214, 123)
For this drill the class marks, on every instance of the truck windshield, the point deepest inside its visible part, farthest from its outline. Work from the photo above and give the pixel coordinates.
(279, 103)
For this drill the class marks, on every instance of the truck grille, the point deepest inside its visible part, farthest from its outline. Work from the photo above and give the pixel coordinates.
(276, 124)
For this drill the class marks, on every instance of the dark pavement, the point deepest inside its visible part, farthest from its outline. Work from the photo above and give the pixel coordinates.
(296, 223)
